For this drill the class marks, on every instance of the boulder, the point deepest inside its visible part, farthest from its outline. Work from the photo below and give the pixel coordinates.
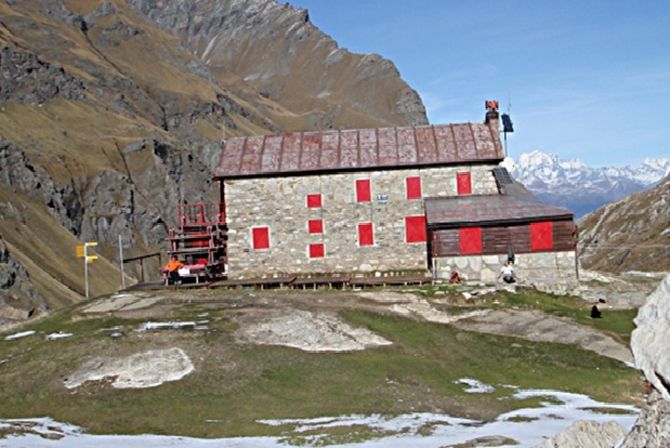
(586, 433)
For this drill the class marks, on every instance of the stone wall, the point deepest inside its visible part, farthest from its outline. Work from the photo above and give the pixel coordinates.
(539, 267)
(280, 204)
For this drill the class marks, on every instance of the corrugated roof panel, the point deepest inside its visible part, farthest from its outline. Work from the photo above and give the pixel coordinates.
(388, 147)
(367, 139)
(290, 159)
(311, 151)
(446, 145)
(349, 149)
(330, 142)
(406, 146)
(271, 153)
(425, 144)
(251, 158)
(231, 156)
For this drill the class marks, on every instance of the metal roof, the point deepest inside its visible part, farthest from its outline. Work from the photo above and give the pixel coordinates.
(489, 209)
(358, 149)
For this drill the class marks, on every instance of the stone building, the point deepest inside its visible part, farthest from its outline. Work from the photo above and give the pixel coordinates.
(366, 201)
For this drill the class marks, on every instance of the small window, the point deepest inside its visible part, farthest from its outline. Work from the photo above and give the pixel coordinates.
(315, 226)
(413, 187)
(541, 236)
(365, 234)
(463, 183)
(470, 240)
(314, 200)
(260, 237)
(363, 190)
(317, 250)
(415, 229)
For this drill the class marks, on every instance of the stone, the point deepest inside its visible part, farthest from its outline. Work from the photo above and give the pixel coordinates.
(586, 433)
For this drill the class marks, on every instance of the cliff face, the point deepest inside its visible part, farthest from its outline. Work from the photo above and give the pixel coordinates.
(108, 121)
(630, 234)
(276, 50)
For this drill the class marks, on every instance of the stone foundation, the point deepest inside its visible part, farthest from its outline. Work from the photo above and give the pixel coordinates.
(539, 267)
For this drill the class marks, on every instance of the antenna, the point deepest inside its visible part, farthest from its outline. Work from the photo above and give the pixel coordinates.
(507, 121)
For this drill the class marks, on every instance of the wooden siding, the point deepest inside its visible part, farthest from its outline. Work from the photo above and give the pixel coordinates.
(498, 239)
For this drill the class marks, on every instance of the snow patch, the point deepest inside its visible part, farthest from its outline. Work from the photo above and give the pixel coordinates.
(475, 387)
(19, 335)
(58, 335)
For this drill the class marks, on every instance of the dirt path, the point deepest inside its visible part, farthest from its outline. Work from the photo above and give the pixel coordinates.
(538, 326)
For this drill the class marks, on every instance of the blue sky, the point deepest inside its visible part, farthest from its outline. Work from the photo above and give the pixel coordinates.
(587, 79)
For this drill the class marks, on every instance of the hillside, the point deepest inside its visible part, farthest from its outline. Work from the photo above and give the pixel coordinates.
(108, 121)
(630, 234)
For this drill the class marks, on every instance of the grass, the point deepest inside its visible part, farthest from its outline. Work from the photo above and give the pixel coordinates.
(236, 385)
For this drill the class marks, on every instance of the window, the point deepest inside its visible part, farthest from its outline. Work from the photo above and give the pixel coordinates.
(413, 187)
(315, 226)
(314, 200)
(317, 250)
(365, 234)
(260, 237)
(470, 239)
(541, 235)
(415, 229)
(363, 190)
(463, 183)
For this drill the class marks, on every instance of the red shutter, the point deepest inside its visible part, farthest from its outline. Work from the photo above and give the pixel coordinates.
(413, 187)
(541, 236)
(314, 200)
(365, 234)
(315, 226)
(317, 250)
(470, 240)
(415, 229)
(363, 190)
(463, 183)
(261, 238)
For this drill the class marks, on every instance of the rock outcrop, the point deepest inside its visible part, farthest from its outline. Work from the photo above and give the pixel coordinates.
(585, 433)
(649, 342)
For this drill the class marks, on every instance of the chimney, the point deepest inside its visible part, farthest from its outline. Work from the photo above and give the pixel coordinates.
(492, 117)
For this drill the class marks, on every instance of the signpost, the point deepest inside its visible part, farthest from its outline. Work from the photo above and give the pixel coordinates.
(82, 252)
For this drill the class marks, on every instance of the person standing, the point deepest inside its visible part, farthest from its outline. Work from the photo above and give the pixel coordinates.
(172, 269)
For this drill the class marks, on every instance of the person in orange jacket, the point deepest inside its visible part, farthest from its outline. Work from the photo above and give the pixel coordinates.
(172, 268)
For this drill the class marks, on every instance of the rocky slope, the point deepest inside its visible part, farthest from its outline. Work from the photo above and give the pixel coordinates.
(573, 184)
(630, 234)
(108, 121)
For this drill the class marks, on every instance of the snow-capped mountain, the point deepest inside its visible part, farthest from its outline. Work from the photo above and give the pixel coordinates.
(573, 184)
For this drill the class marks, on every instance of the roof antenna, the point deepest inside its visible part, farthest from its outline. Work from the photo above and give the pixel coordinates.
(507, 121)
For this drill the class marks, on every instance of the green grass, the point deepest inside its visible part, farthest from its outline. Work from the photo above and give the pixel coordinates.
(237, 385)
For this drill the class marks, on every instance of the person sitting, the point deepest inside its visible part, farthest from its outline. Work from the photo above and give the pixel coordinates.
(507, 273)
(596, 313)
(172, 269)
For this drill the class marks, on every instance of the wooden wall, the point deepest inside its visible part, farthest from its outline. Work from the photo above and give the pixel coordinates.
(497, 239)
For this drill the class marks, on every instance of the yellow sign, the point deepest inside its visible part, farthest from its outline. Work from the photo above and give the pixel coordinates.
(91, 244)
(80, 251)
(91, 258)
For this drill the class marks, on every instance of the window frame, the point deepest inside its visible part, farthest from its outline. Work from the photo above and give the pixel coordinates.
(413, 197)
(358, 197)
(253, 238)
(372, 233)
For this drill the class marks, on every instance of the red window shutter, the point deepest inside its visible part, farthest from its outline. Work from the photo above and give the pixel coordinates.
(314, 200)
(470, 240)
(261, 238)
(317, 250)
(315, 226)
(541, 235)
(363, 190)
(365, 234)
(413, 187)
(415, 229)
(463, 183)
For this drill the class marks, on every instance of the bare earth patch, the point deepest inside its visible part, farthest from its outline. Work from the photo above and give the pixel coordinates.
(309, 331)
(141, 370)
